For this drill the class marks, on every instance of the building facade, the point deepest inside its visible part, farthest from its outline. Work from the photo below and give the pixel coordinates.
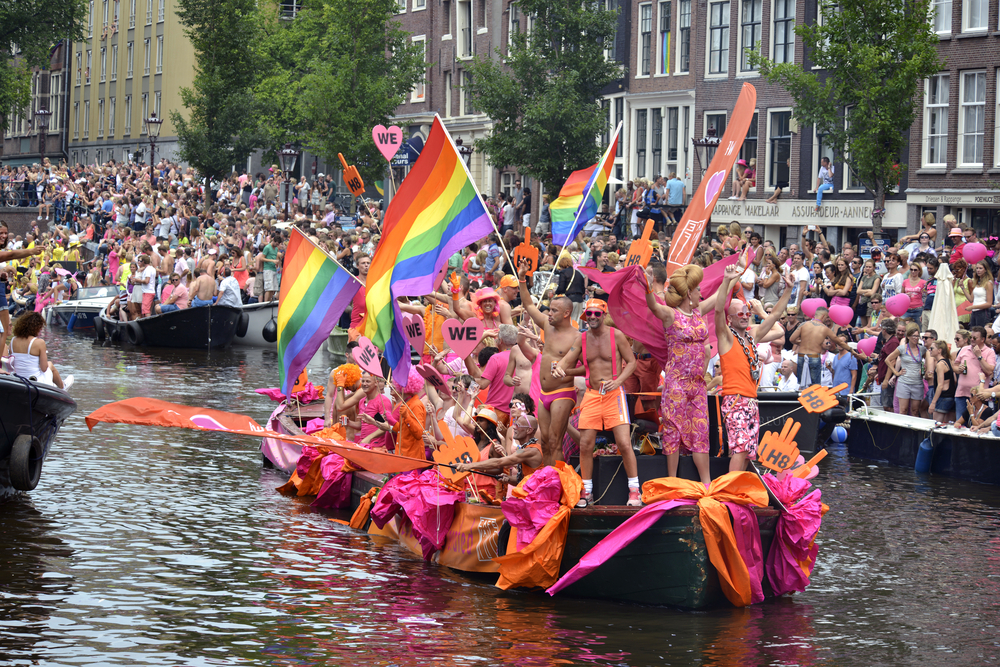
(22, 141)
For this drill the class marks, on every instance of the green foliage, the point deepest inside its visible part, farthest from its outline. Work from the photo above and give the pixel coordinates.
(873, 57)
(542, 98)
(223, 123)
(335, 72)
(32, 27)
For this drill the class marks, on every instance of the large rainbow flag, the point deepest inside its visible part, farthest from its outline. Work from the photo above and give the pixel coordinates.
(580, 197)
(315, 290)
(436, 211)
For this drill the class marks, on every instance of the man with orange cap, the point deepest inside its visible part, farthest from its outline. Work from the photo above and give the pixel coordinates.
(509, 299)
(607, 361)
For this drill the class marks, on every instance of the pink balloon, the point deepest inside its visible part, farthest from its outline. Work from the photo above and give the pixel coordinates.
(809, 306)
(867, 345)
(898, 305)
(841, 315)
(974, 252)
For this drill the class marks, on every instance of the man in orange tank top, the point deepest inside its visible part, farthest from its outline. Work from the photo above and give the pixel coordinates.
(741, 367)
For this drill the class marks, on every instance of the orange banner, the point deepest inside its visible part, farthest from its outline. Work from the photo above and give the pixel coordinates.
(692, 226)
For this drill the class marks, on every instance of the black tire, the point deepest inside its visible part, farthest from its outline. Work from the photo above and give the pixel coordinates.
(242, 325)
(133, 333)
(99, 327)
(25, 462)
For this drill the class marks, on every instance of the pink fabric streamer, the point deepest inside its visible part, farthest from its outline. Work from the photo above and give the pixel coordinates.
(314, 426)
(336, 489)
(428, 505)
(627, 303)
(530, 514)
(309, 454)
(308, 394)
(793, 552)
(747, 532)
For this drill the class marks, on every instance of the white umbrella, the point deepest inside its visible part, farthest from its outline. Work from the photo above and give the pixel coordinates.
(944, 315)
(614, 181)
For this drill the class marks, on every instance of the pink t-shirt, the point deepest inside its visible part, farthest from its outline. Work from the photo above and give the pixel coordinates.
(915, 292)
(969, 380)
(182, 296)
(498, 394)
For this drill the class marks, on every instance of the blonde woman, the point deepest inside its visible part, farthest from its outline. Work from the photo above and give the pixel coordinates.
(979, 290)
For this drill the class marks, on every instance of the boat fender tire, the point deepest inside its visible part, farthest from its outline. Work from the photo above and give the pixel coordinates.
(99, 327)
(25, 462)
(242, 325)
(116, 333)
(503, 537)
(270, 331)
(133, 333)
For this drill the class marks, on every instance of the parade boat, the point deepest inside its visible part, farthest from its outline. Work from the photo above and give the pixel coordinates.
(30, 416)
(924, 445)
(82, 309)
(199, 328)
(260, 328)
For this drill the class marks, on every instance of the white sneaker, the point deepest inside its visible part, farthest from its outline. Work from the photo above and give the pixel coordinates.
(735, 197)
(68, 382)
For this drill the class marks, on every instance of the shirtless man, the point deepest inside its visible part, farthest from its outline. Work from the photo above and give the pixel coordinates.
(202, 289)
(509, 290)
(602, 350)
(558, 393)
(810, 337)
(519, 372)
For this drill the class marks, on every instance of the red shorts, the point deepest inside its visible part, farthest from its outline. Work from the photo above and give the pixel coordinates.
(603, 412)
(147, 303)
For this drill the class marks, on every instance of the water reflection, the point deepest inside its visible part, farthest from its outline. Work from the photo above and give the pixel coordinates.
(162, 547)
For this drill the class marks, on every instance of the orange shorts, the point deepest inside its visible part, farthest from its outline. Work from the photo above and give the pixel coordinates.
(603, 412)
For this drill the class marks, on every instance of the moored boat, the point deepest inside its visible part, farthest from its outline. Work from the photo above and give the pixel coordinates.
(189, 328)
(80, 311)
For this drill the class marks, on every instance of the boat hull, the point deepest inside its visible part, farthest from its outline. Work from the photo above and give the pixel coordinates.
(259, 315)
(191, 328)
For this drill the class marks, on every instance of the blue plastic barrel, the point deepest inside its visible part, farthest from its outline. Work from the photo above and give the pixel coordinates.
(71, 323)
(924, 457)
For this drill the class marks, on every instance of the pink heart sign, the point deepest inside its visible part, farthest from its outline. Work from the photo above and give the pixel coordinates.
(713, 186)
(434, 379)
(463, 336)
(366, 355)
(387, 140)
(414, 326)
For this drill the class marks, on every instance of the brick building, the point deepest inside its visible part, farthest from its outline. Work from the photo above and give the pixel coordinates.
(48, 91)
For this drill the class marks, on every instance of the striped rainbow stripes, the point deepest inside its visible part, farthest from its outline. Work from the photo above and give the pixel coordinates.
(315, 290)
(580, 197)
(436, 211)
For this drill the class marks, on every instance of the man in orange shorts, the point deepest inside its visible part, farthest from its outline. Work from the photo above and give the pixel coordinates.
(603, 350)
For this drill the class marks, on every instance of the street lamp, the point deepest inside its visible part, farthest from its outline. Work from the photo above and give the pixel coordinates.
(153, 131)
(42, 120)
(288, 155)
(705, 148)
(465, 151)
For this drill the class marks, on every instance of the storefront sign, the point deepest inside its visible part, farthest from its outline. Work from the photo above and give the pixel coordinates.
(955, 199)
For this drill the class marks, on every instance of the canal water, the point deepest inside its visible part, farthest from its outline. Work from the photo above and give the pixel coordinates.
(150, 546)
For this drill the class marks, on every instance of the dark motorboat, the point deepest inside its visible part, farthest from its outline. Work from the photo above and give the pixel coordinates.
(30, 416)
(198, 328)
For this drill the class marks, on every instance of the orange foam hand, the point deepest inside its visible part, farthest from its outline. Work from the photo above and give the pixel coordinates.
(817, 398)
(778, 451)
(352, 178)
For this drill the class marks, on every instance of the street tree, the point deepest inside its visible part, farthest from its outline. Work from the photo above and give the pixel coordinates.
(222, 127)
(542, 95)
(28, 31)
(334, 72)
(871, 58)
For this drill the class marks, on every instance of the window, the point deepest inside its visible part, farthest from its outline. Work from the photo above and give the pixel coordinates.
(156, 104)
(419, 4)
(149, 12)
(619, 117)
(99, 153)
(645, 37)
(129, 57)
(851, 180)
(159, 54)
(996, 141)
(76, 121)
(514, 23)
(145, 46)
(86, 72)
(57, 95)
(481, 23)
(784, 31)
(446, 18)
(79, 67)
(663, 62)
(936, 121)
(715, 121)
(750, 14)
(466, 48)
(90, 20)
(975, 14)
(114, 19)
(941, 11)
(640, 143)
(821, 149)
(76, 158)
(131, 14)
(161, 11)
(402, 7)
(86, 119)
(684, 36)
(145, 112)
(111, 117)
(114, 62)
(606, 129)
(972, 119)
(447, 94)
(610, 54)
(128, 115)
(779, 147)
(466, 98)
(657, 167)
(100, 118)
(718, 37)
(419, 92)
(104, 64)
(672, 138)
(749, 149)
(105, 13)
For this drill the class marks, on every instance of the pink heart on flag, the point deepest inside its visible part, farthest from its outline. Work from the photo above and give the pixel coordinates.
(713, 186)
(366, 355)
(463, 337)
(413, 324)
(434, 378)
(387, 140)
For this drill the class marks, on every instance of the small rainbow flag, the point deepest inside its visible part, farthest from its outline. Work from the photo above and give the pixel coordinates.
(580, 197)
(315, 290)
(436, 211)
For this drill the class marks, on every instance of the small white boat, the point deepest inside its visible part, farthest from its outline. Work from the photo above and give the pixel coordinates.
(260, 315)
(80, 311)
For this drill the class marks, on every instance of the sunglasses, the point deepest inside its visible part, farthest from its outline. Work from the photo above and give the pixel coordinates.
(593, 313)
(517, 404)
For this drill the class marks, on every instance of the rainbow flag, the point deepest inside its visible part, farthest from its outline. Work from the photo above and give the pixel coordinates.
(580, 197)
(436, 211)
(315, 290)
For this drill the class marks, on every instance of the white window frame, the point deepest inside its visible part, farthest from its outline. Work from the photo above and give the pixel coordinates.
(100, 118)
(817, 156)
(105, 13)
(789, 30)
(967, 15)
(767, 147)
(642, 146)
(448, 77)
(79, 67)
(86, 119)
(156, 103)
(419, 92)
(684, 23)
(724, 41)
(76, 120)
(662, 49)
(463, 100)
(401, 7)
(996, 131)
(419, 5)
(111, 117)
(928, 107)
(743, 48)
(159, 54)
(114, 62)
(149, 12)
(130, 59)
(936, 7)
(640, 51)
(845, 167)
(147, 47)
(962, 106)
(104, 64)
(145, 113)
(161, 11)
(127, 129)
(90, 63)
(90, 20)
(131, 14)
(513, 21)
(462, 52)
(449, 25)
